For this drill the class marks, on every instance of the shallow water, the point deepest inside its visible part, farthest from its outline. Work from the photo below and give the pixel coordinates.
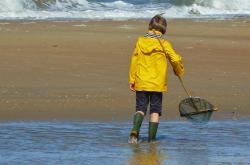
(94, 143)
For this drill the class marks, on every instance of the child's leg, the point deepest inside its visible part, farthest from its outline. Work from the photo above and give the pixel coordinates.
(142, 101)
(154, 117)
(138, 118)
(155, 113)
(153, 126)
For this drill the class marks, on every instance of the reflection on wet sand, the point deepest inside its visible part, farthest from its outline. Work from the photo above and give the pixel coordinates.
(147, 154)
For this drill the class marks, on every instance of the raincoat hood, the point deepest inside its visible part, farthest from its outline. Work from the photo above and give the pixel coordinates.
(147, 45)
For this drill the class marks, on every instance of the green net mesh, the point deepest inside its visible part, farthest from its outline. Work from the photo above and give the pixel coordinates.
(196, 109)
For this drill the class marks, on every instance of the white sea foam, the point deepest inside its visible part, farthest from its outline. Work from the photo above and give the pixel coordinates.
(127, 9)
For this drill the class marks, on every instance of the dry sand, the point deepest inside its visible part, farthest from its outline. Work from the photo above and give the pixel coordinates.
(76, 70)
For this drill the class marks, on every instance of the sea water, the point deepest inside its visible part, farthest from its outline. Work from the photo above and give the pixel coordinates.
(105, 143)
(121, 9)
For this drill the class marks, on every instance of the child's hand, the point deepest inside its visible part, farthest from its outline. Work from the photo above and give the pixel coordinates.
(178, 68)
(132, 87)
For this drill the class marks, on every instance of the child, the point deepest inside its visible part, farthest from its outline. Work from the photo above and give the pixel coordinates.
(147, 76)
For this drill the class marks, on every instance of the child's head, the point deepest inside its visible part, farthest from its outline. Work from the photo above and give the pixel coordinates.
(158, 23)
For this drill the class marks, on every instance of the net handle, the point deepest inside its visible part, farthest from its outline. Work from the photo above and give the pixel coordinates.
(194, 105)
(182, 84)
(181, 81)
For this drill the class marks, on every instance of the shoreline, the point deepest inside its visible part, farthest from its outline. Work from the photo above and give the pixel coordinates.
(219, 17)
(240, 17)
(78, 70)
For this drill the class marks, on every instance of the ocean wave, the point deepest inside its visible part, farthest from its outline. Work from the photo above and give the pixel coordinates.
(126, 9)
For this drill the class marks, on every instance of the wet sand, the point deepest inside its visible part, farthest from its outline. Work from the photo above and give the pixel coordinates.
(76, 70)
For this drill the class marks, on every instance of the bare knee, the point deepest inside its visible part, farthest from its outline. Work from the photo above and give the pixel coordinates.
(154, 117)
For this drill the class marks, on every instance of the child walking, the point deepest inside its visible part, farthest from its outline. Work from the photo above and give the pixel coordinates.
(147, 75)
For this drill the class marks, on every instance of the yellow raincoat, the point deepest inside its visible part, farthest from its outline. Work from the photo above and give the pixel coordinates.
(148, 69)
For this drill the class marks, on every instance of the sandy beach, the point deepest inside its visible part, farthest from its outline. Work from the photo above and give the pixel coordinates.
(78, 70)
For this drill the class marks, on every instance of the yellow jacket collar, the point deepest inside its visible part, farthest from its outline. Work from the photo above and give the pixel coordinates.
(154, 32)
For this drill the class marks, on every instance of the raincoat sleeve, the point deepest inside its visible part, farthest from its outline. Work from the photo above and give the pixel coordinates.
(174, 59)
(133, 66)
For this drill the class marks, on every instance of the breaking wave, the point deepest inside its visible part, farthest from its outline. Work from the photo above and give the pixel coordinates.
(126, 9)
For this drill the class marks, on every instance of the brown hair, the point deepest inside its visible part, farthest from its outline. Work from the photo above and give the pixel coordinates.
(158, 23)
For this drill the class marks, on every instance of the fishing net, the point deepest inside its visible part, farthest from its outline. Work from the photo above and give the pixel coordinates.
(196, 109)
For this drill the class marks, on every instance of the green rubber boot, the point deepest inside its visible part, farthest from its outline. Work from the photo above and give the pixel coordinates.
(152, 130)
(134, 134)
